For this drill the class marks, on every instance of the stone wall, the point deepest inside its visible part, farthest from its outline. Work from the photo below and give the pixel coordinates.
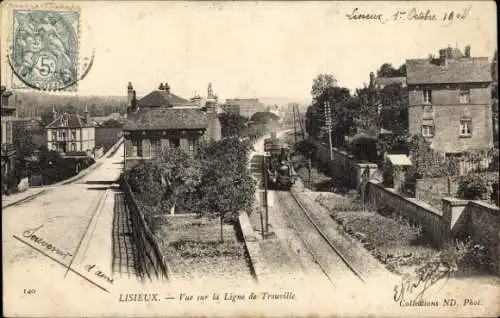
(431, 190)
(344, 165)
(484, 228)
(447, 112)
(417, 212)
(475, 219)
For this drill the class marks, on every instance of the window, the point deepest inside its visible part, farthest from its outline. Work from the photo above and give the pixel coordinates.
(54, 135)
(192, 145)
(73, 134)
(427, 97)
(60, 133)
(136, 148)
(464, 96)
(427, 130)
(155, 146)
(73, 146)
(8, 132)
(465, 128)
(175, 143)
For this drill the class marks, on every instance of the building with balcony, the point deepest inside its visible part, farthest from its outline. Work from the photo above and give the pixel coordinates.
(162, 120)
(8, 150)
(71, 134)
(450, 101)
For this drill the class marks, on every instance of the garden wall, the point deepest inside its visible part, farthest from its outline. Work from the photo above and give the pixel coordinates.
(431, 190)
(344, 165)
(484, 228)
(151, 261)
(479, 220)
(417, 212)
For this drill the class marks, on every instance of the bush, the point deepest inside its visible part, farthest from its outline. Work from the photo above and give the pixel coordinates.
(461, 258)
(472, 187)
(387, 175)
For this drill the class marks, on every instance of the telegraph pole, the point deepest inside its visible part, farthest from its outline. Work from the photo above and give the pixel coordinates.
(328, 123)
(265, 194)
(294, 127)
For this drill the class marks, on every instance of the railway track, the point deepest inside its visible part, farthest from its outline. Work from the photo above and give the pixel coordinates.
(26, 199)
(333, 264)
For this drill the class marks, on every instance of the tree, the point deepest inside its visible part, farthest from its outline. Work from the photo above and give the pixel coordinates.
(427, 162)
(343, 109)
(232, 124)
(394, 112)
(226, 185)
(23, 141)
(320, 83)
(367, 119)
(387, 70)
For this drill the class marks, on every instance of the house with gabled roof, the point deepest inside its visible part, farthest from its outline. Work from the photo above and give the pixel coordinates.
(162, 120)
(450, 101)
(71, 134)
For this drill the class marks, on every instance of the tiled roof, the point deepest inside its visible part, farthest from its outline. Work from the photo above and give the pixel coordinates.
(69, 121)
(161, 99)
(167, 119)
(462, 70)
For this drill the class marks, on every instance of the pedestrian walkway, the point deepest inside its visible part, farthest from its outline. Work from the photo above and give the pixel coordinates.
(124, 254)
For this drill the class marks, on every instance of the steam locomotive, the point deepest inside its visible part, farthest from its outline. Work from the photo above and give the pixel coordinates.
(279, 170)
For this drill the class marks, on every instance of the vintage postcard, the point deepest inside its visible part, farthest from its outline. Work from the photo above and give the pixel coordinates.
(250, 158)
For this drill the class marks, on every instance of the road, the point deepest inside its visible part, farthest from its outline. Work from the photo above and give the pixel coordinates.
(67, 226)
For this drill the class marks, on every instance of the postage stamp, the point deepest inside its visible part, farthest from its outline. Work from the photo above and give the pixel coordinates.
(45, 49)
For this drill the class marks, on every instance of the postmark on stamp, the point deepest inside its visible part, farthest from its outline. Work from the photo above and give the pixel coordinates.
(45, 46)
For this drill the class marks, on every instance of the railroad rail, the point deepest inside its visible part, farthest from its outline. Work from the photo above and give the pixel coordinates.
(26, 199)
(328, 245)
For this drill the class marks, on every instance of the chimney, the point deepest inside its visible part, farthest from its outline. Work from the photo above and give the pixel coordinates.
(467, 51)
(54, 113)
(133, 105)
(130, 89)
(166, 87)
(161, 87)
(87, 115)
(442, 57)
(372, 80)
(449, 53)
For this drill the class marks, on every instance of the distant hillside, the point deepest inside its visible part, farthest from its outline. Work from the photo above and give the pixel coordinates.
(35, 104)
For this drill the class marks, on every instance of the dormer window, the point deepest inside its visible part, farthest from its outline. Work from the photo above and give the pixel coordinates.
(427, 96)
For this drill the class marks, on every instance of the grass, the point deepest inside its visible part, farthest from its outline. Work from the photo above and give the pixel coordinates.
(392, 240)
(193, 249)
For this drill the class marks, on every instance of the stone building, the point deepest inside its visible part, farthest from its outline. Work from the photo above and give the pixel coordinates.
(163, 120)
(8, 149)
(245, 107)
(71, 133)
(450, 101)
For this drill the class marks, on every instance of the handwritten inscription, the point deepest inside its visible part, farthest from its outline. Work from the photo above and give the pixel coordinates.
(97, 272)
(357, 14)
(411, 14)
(416, 288)
(31, 235)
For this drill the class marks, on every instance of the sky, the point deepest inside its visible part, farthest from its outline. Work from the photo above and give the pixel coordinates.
(252, 49)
